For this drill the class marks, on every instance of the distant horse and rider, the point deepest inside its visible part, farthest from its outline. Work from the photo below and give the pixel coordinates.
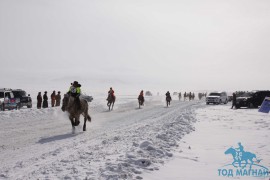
(141, 99)
(75, 106)
(168, 98)
(111, 99)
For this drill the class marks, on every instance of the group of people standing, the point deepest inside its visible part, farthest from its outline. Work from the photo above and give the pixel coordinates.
(42, 101)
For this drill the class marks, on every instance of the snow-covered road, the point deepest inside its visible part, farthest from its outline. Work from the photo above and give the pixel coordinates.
(130, 143)
(124, 143)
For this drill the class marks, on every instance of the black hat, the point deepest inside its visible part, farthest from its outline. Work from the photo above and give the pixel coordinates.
(45, 92)
(59, 92)
(75, 82)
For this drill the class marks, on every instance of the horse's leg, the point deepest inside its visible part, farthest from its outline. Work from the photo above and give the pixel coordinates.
(239, 163)
(84, 124)
(72, 123)
(77, 120)
(234, 163)
(112, 105)
(71, 120)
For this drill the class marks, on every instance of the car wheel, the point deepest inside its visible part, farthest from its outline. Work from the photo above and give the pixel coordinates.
(29, 106)
(207, 103)
(220, 101)
(3, 107)
(226, 101)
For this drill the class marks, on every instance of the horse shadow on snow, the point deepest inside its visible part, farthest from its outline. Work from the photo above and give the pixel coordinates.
(57, 137)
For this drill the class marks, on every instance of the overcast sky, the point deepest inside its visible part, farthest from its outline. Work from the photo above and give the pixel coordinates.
(135, 44)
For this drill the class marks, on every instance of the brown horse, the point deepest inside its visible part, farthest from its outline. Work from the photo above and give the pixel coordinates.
(111, 100)
(74, 111)
(141, 101)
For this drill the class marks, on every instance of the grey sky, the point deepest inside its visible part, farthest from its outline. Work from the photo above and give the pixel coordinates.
(139, 44)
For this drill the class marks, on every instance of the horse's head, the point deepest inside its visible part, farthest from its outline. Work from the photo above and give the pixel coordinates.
(231, 150)
(65, 102)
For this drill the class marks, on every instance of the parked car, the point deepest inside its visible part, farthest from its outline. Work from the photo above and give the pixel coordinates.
(251, 99)
(23, 98)
(217, 98)
(7, 100)
(148, 93)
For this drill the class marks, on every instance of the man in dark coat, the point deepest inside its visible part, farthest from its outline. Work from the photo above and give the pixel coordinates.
(39, 100)
(58, 99)
(233, 101)
(53, 99)
(45, 100)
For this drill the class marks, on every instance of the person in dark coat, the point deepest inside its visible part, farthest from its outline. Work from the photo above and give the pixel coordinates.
(39, 100)
(233, 101)
(53, 99)
(58, 99)
(45, 100)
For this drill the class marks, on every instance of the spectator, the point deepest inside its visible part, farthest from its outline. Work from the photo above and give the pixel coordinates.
(233, 101)
(53, 99)
(45, 100)
(58, 99)
(39, 100)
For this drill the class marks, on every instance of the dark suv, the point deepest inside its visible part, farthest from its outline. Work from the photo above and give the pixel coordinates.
(251, 99)
(23, 98)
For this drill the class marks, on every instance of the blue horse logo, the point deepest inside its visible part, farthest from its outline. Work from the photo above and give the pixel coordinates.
(239, 155)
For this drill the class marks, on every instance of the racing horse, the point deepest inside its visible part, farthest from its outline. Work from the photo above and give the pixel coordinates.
(111, 100)
(69, 105)
(168, 100)
(141, 101)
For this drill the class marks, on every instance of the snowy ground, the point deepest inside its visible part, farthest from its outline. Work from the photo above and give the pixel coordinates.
(129, 143)
(201, 153)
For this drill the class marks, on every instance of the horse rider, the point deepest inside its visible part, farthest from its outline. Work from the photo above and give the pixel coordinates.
(141, 97)
(168, 96)
(179, 96)
(110, 93)
(75, 91)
